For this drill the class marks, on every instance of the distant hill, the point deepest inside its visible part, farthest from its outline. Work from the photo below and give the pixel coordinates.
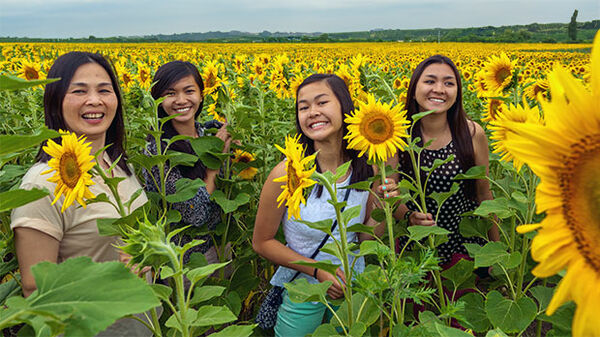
(532, 33)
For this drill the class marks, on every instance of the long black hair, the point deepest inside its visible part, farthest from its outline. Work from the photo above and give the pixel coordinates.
(360, 169)
(456, 116)
(166, 76)
(65, 67)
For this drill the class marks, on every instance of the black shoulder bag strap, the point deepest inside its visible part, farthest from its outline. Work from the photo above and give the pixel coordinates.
(326, 236)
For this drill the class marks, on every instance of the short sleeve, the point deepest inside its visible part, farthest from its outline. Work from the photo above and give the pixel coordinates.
(40, 214)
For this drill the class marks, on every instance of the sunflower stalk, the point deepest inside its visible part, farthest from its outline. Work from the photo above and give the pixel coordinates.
(343, 247)
(416, 164)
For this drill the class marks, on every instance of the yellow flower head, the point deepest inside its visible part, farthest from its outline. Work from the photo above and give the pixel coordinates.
(30, 71)
(71, 162)
(377, 128)
(211, 77)
(498, 72)
(298, 171)
(539, 87)
(244, 157)
(565, 154)
(503, 128)
(493, 108)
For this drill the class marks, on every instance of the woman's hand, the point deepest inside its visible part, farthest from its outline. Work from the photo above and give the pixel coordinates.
(336, 290)
(125, 258)
(420, 219)
(388, 189)
(224, 135)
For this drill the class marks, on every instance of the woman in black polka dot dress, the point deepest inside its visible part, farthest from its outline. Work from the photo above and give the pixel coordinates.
(435, 85)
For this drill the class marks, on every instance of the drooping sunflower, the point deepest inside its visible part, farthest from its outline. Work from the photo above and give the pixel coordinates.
(244, 157)
(71, 162)
(565, 154)
(498, 72)
(377, 128)
(503, 129)
(298, 171)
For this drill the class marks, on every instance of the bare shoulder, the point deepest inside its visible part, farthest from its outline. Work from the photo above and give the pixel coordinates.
(277, 171)
(477, 133)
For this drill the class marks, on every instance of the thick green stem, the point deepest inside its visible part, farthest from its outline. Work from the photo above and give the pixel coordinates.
(389, 219)
(521, 272)
(157, 330)
(344, 248)
(436, 273)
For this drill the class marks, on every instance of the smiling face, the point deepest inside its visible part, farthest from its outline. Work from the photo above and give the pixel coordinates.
(183, 97)
(436, 88)
(319, 112)
(90, 103)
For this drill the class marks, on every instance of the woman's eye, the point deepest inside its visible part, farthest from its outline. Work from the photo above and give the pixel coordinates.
(190, 91)
(302, 108)
(78, 91)
(169, 94)
(323, 102)
(450, 84)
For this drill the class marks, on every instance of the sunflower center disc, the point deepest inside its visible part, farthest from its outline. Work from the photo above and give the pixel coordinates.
(69, 169)
(378, 129)
(210, 81)
(580, 186)
(293, 180)
(31, 74)
(502, 75)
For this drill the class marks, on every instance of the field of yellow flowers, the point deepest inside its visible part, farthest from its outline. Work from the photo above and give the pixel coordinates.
(252, 86)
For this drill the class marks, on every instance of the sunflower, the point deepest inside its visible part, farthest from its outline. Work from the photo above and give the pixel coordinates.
(493, 107)
(502, 128)
(377, 128)
(480, 86)
(144, 75)
(244, 157)
(71, 163)
(498, 72)
(565, 154)
(211, 77)
(30, 71)
(298, 169)
(539, 86)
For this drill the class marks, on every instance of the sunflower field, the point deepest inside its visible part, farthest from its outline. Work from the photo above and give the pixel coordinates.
(539, 105)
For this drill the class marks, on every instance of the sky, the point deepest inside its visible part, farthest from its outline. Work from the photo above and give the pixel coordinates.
(104, 18)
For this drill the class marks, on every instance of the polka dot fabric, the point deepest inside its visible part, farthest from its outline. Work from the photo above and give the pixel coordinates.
(453, 207)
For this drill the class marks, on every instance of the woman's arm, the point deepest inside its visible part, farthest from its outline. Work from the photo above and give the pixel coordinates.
(482, 186)
(32, 247)
(268, 218)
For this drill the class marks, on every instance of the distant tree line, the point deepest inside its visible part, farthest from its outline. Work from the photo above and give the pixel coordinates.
(533, 33)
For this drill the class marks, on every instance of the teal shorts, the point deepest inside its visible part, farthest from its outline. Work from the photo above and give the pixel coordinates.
(300, 319)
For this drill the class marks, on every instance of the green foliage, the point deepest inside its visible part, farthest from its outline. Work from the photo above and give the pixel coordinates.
(15, 198)
(63, 301)
(8, 82)
(572, 28)
(509, 315)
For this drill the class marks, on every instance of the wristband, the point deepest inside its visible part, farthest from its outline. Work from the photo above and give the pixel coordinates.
(315, 273)
(407, 216)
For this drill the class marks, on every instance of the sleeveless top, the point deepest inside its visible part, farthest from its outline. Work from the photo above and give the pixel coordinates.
(449, 217)
(305, 240)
